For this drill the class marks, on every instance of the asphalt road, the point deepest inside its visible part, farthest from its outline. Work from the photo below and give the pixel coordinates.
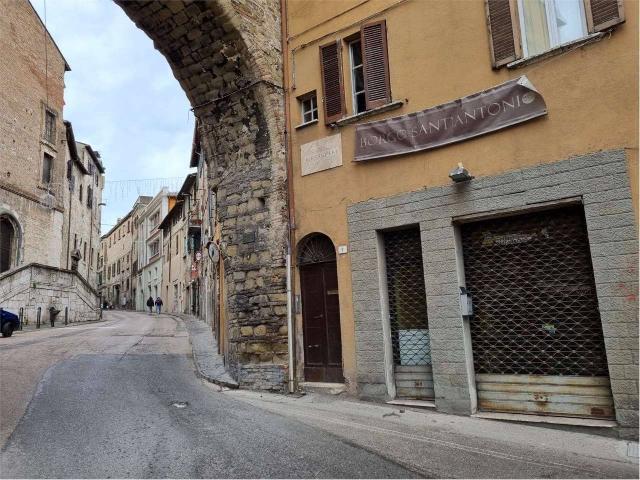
(121, 399)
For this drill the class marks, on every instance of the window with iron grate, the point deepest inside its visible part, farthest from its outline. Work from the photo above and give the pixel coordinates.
(407, 297)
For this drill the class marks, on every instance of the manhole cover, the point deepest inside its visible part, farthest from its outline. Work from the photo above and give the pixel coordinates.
(180, 404)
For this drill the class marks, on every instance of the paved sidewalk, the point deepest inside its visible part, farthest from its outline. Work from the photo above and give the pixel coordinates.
(448, 446)
(209, 364)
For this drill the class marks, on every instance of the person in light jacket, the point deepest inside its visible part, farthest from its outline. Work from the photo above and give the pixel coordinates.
(150, 304)
(158, 305)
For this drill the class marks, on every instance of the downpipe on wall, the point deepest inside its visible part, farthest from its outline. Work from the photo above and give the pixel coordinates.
(292, 385)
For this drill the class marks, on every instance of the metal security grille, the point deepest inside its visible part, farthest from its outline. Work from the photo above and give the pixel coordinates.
(407, 299)
(534, 298)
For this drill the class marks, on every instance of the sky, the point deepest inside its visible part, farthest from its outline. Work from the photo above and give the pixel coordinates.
(122, 99)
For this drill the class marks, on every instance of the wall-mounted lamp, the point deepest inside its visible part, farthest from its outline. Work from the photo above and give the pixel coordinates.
(460, 174)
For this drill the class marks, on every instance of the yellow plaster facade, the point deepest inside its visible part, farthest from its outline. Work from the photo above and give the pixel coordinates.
(439, 51)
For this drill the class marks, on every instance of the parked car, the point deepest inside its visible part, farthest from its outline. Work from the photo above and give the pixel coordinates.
(8, 323)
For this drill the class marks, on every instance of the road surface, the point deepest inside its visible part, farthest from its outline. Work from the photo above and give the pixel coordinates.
(121, 398)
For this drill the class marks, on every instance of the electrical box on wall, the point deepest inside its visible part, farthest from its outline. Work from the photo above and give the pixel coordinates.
(466, 305)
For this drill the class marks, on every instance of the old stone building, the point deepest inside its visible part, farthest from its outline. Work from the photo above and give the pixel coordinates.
(36, 187)
(32, 135)
(443, 259)
(83, 201)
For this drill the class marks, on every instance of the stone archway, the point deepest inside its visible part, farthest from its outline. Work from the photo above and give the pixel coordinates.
(226, 55)
(10, 242)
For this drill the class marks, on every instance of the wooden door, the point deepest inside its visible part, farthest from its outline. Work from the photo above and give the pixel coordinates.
(321, 323)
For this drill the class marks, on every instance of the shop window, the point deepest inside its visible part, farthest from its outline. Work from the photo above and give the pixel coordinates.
(47, 169)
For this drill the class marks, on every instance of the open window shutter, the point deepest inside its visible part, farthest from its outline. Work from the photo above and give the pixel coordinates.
(603, 14)
(503, 31)
(332, 87)
(376, 64)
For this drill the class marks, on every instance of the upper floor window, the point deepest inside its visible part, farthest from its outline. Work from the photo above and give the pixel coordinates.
(155, 219)
(545, 24)
(154, 248)
(369, 72)
(49, 126)
(308, 107)
(357, 77)
(525, 28)
(47, 169)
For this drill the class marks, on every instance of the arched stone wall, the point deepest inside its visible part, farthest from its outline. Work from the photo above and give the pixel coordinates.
(226, 54)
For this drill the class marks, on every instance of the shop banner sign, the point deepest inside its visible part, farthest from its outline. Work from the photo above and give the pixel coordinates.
(499, 107)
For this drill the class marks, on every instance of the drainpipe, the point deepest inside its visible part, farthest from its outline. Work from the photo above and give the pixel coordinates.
(285, 73)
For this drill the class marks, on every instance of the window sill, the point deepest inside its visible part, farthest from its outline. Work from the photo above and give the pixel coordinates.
(560, 49)
(369, 113)
(302, 125)
(47, 143)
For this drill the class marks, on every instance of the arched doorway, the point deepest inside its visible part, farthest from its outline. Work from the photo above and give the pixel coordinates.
(320, 309)
(9, 238)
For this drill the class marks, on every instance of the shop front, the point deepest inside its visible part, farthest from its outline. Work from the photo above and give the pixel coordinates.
(544, 254)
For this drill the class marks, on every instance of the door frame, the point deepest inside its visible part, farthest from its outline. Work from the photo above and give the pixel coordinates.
(300, 266)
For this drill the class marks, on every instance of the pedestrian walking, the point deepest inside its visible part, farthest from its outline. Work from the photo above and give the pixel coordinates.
(158, 305)
(150, 304)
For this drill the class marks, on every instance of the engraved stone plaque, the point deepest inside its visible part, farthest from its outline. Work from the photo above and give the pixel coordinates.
(321, 154)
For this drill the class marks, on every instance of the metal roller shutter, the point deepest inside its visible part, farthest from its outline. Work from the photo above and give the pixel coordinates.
(536, 332)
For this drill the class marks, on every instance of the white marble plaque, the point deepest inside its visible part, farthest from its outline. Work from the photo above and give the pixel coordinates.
(321, 154)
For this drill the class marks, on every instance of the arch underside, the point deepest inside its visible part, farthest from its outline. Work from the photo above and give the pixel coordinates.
(226, 55)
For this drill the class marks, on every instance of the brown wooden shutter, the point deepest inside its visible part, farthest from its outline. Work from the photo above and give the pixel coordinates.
(375, 64)
(603, 14)
(504, 32)
(332, 87)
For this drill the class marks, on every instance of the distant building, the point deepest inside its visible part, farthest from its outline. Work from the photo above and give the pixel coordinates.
(150, 247)
(118, 259)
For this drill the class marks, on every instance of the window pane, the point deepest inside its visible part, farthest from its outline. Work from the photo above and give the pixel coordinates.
(358, 79)
(536, 34)
(47, 166)
(356, 53)
(360, 102)
(569, 20)
(307, 117)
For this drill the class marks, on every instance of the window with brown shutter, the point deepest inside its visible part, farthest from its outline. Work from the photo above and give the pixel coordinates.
(603, 14)
(526, 28)
(332, 85)
(503, 31)
(376, 64)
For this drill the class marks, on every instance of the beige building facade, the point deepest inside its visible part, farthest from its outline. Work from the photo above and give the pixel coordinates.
(416, 274)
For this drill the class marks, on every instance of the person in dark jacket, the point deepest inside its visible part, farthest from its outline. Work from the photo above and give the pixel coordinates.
(158, 305)
(150, 304)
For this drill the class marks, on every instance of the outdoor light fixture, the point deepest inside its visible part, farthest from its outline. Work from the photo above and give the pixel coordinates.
(460, 174)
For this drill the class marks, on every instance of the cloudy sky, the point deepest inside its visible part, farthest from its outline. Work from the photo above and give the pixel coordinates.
(121, 98)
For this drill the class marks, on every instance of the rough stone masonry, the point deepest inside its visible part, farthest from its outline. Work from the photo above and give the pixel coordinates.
(227, 56)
